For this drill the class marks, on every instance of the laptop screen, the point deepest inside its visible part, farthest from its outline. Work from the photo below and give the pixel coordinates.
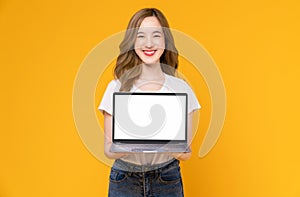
(149, 116)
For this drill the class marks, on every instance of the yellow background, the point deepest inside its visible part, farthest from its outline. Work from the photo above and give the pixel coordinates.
(254, 43)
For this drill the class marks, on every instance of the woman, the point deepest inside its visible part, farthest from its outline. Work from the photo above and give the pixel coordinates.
(147, 61)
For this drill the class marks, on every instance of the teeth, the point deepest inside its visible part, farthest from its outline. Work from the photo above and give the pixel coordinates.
(149, 52)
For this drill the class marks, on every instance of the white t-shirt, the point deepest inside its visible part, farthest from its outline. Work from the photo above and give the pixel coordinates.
(171, 84)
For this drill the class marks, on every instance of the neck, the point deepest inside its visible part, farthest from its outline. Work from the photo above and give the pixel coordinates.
(152, 72)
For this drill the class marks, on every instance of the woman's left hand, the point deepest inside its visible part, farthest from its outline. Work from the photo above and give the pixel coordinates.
(181, 156)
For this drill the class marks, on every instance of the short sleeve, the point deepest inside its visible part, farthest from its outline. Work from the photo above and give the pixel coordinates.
(107, 99)
(193, 103)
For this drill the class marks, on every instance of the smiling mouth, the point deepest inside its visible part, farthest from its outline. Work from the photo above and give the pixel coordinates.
(149, 52)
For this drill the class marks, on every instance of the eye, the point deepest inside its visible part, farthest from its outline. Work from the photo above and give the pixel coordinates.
(156, 35)
(140, 35)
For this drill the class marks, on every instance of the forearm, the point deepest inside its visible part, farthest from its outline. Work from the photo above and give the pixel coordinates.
(110, 154)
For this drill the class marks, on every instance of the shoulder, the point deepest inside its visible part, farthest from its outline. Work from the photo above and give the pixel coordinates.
(114, 85)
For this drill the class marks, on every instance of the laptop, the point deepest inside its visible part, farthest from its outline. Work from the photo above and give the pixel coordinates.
(149, 122)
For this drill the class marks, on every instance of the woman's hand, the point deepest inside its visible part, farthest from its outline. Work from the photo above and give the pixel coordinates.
(181, 156)
(112, 155)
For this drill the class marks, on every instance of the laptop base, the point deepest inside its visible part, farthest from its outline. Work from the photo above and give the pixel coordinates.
(149, 148)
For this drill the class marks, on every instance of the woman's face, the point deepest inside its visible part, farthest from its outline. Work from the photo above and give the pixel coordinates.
(150, 42)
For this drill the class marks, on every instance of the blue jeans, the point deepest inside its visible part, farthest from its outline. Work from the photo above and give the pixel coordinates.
(162, 182)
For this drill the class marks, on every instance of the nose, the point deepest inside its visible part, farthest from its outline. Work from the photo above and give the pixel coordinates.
(149, 42)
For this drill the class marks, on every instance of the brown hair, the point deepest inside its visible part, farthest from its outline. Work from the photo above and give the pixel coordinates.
(128, 66)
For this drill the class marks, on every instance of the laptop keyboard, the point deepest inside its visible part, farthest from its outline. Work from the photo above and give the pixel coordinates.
(147, 147)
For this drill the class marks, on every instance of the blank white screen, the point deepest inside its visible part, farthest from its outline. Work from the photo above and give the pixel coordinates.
(138, 111)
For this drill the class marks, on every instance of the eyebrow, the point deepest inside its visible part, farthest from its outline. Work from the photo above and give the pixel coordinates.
(156, 32)
(141, 32)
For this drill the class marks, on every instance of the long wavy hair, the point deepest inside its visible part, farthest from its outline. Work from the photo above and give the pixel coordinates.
(128, 66)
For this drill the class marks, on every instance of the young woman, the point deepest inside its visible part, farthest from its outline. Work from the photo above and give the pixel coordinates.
(147, 61)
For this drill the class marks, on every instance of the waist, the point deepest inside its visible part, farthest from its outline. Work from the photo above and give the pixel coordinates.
(131, 167)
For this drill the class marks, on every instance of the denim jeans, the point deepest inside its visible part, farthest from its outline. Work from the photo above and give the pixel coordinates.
(162, 182)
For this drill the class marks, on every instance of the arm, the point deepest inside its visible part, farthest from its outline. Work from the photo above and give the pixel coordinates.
(186, 156)
(108, 138)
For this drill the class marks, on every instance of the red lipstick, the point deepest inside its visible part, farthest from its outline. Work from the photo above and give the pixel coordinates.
(149, 52)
